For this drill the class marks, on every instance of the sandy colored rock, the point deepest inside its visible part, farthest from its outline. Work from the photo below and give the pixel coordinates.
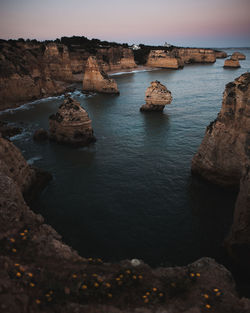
(233, 62)
(225, 149)
(71, 124)
(163, 59)
(238, 242)
(97, 80)
(156, 97)
(239, 55)
(220, 54)
(195, 55)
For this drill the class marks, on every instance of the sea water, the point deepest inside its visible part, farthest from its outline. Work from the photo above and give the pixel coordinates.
(131, 194)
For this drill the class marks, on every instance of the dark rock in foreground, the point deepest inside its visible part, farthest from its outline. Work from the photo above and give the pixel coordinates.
(40, 135)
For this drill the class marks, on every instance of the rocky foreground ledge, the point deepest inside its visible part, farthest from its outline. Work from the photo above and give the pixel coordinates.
(39, 273)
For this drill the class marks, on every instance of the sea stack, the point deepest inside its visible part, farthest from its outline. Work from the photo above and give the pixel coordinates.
(164, 59)
(233, 62)
(71, 124)
(156, 97)
(225, 149)
(96, 79)
(239, 55)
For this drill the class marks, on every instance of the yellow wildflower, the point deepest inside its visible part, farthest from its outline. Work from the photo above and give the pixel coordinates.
(160, 294)
(206, 296)
(38, 301)
(216, 289)
(218, 293)
(140, 276)
(74, 276)
(12, 240)
(18, 274)
(154, 289)
(96, 285)
(32, 285)
(134, 277)
(22, 234)
(16, 264)
(30, 274)
(118, 278)
(25, 231)
(208, 306)
(108, 285)
(110, 295)
(14, 250)
(198, 274)
(192, 274)
(147, 293)
(144, 297)
(84, 287)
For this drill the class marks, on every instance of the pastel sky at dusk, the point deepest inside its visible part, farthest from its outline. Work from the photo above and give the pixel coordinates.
(214, 23)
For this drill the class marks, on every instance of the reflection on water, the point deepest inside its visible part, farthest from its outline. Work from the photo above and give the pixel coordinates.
(131, 193)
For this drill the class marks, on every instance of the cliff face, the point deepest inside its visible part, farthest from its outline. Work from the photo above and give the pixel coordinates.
(157, 96)
(195, 55)
(39, 273)
(238, 242)
(220, 54)
(164, 59)
(71, 124)
(96, 79)
(32, 71)
(225, 149)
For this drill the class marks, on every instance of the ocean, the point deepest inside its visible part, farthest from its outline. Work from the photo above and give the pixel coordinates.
(131, 194)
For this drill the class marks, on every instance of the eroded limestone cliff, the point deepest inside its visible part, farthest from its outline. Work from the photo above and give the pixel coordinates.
(71, 124)
(225, 149)
(95, 79)
(164, 59)
(157, 97)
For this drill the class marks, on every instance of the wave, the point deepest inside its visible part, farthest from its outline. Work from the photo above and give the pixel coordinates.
(31, 161)
(134, 71)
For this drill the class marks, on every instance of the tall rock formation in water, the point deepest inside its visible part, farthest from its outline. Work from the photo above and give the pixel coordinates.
(71, 124)
(96, 79)
(195, 55)
(157, 96)
(164, 59)
(225, 149)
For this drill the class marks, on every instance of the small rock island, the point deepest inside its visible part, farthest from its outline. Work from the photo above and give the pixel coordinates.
(157, 96)
(233, 62)
(96, 79)
(71, 124)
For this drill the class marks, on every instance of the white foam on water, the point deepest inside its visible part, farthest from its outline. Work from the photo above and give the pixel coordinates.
(31, 161)
(134, 71)
(24, 135)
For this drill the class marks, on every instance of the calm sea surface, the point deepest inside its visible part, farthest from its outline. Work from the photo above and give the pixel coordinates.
(131, 194)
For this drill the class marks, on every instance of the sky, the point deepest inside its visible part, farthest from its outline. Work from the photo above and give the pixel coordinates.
(203, 23)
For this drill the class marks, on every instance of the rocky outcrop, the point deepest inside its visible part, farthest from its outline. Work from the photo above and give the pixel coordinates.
(96, 79)
(163, 59)
(238, 242)
(195, 55)
(71, 124)
(225, 149)
(32, 257)
(157, 96)
(7, 131)
(239, 55)
(220, 54)
(233, 62)
(40, 135)
(57, 62)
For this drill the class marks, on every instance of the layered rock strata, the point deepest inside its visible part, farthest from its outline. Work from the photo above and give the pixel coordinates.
(196, 55)
(71, 124)
(225, 149)
(96, 79)
(164, 59)
(239, 55)
(233, 62)
(220, 54)
(157, 97)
